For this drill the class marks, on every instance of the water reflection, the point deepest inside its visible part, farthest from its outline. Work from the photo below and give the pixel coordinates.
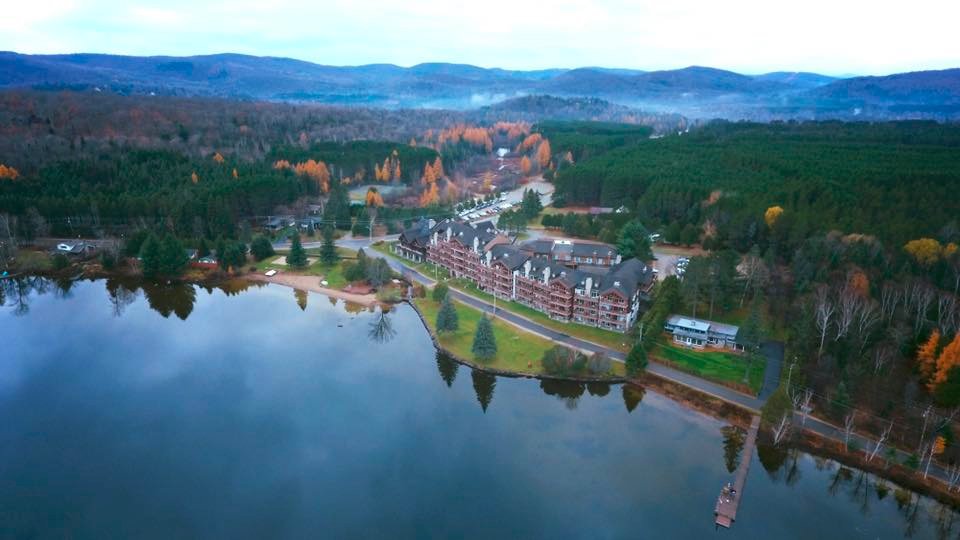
(734, 438)
(447, 367)
(301, 297)
(177, 298)
(381, 329)
(632, 396)
(122, 293)
(483, 384)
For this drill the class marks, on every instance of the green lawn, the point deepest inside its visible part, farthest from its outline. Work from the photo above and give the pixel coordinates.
(722, 367)
(517, 351)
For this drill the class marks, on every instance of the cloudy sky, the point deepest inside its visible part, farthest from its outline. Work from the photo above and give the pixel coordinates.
(829, 36)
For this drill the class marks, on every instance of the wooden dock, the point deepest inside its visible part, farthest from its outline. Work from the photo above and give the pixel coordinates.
(729, 502)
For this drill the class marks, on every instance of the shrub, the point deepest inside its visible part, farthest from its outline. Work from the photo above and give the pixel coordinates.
(562, 361)
(108, 260)
(390, 295)
(599, 364)
(261, 248)
(60, 261)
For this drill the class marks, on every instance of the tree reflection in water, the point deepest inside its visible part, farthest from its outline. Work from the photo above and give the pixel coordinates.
(447, 367)
(483, 384)
(122, 293)
(301, 297)
(381, 329)
(632, 396)
(176, 298)
(734, 438)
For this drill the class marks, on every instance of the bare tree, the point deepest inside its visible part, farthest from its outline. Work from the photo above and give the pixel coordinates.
(921, 295)
(849, 306)
(890, 296)
(848, 428)
(823, 313)
(927, 452)
(953, 477)
(867, 320)
(880, 442)
(946, 308)
(923, 431)
(880, 357)
(755, 274)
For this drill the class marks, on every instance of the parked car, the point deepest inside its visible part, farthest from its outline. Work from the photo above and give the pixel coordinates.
(270, 273)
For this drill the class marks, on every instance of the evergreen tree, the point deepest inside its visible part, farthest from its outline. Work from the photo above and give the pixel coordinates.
(636, 360)
(634, 241)
(261, 248)
(328, 250)
(484, 342)
(233, 256)
(203, 250)
(447, 319)
(173, 256)
(378, 272)
(221, 248)
(297, 258)
(530, 206)
(150, 259)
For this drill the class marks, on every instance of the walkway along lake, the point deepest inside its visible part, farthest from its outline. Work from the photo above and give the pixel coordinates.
(171, 411)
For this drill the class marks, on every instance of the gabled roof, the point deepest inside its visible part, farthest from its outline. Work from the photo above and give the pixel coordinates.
(509, 256)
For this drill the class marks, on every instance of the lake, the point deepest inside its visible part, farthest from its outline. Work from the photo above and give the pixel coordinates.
(257, 412)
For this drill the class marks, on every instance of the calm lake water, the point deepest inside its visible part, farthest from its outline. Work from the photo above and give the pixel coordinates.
(181, 412)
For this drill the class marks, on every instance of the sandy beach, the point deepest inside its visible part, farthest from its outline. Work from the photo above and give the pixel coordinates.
(312, 284)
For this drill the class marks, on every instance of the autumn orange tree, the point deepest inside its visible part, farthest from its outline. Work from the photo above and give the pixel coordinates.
(430, 196)
(949, 358)
(217, 157)
(373, 198)
(8, 173)
(525, 166)
(927, 355)
(544, 154)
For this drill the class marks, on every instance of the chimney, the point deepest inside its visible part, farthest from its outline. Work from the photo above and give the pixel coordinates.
(489, 257)
(546, 275)
(449, 233)
(476, 244)
(589, 286)
(526, 269)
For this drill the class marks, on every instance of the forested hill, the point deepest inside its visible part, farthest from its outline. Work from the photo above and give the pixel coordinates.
(894, 180)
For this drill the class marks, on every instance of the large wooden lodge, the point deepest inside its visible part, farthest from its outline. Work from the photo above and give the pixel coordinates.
(583, 282)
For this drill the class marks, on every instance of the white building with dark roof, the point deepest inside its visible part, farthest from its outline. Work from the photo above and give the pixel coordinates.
(700, 333)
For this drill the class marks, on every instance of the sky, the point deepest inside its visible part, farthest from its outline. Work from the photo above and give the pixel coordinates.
(835, 37)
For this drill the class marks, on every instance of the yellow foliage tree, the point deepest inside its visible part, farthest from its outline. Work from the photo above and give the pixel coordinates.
(235, 173)
(488, 181)
(544, 154)
(413, 142)
(927, 355)
(316, 171)
(396, 170)
(373, 198)
(194, 178)
(948, 359)
(281, 164)
(8, 173)
(926, 251)
(525, 166)
(430, 196)
(772, 215)
(218, 158)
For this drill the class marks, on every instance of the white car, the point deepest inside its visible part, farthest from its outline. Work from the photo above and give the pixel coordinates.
(270, 273)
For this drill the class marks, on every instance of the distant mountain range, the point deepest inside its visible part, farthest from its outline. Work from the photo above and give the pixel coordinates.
(698, 92)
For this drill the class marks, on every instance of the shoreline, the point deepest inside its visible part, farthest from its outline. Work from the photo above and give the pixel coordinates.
(312, 284)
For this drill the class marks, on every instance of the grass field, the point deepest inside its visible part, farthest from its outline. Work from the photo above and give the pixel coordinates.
(517, 351)
(32, 261)
(722, 367)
